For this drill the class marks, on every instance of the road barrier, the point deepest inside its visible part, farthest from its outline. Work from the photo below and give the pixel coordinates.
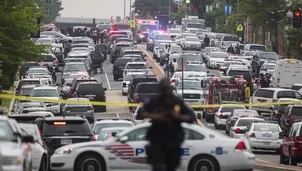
(120, 104)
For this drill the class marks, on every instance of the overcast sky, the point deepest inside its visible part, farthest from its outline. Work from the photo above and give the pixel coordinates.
(94, 8)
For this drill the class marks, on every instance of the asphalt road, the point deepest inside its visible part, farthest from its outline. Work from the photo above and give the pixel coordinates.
(260, 155)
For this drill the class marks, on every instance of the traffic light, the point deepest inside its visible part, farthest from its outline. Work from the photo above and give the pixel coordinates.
(175, 8)
(297, 19)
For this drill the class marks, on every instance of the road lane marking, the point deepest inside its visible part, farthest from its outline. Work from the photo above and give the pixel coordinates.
(151, 59)
(108, 83)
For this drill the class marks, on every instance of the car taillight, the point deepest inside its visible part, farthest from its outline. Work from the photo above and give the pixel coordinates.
(252, 135)
(92, 137)
(220, 116)
(241, 146)
(237, 130)
(173, 80)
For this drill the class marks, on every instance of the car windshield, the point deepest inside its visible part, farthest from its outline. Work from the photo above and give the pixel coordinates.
(245, 122)
(268, 56)
(104, 135)
(230, 109)
(74, 67)
(193, 57)
(192, 39)
(266, 127)
(296, 111)
(162, 37)
(136, 66)
(194, 25)
(258, 47)
(68, 127)
(6, 131)
(270, 67)
(38, 71)
(95, 89)
(198, 68)
(219, 55)
(44, 93)
(99, 126)
(190, 85)
(246, 74)
(148, 88)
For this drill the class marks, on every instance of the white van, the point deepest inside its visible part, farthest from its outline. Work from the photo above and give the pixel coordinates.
(270, 95)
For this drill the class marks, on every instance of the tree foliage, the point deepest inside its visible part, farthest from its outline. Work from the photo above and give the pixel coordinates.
(152, 7)
(182, 11)
(16, 24)
(55, 7)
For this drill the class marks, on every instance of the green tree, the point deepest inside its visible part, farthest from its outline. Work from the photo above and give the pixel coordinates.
(182, 11)
(16, 24)
(51, 10)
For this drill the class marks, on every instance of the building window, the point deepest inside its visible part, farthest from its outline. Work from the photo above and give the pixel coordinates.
(48, 1)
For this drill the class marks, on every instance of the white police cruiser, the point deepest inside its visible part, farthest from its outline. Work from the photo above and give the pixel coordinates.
(202, 148)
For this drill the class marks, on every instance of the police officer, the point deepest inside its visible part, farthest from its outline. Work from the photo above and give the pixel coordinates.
(166, 135)
(237, 49)
(230, 49)
(206, 40)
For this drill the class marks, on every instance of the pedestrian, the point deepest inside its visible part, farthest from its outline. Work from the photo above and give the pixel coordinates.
(237, 49)
(166, 135)
(230, 49)
(206, 41)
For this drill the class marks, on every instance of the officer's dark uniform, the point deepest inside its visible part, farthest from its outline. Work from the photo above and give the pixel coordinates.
(165, 137)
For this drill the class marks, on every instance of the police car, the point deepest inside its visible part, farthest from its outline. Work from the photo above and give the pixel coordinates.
(239, 126)
(126, 151)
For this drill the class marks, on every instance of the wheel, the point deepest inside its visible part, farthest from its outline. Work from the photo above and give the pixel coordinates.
(204, 162)
(43, 164)
(90, 162)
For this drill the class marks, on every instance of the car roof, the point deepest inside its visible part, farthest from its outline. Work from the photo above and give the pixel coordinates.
(113, 121)
(136, 62)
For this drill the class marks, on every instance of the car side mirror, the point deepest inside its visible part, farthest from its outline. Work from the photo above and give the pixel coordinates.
(282, 134)
(28, 139)
(124, 139)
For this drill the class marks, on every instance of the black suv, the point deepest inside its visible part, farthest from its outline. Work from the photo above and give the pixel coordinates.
(60, 131)
(94, 92)
(116, 50)
(119, 65)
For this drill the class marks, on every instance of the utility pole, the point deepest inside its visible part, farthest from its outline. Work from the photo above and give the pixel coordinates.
(169, 11)
(124, 9)
(130, 10)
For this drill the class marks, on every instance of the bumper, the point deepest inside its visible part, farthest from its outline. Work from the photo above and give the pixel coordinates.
(244, 161)
(62, 162)
(220, 122)
(234, 135)
(11, 168)
(265, 144)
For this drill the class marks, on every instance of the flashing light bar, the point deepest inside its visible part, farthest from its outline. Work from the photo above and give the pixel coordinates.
(59, 123)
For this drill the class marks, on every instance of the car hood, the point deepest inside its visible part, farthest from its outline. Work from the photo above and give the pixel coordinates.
(10, 149)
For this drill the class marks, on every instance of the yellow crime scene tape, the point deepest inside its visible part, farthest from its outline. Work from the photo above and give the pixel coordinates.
(41, 99)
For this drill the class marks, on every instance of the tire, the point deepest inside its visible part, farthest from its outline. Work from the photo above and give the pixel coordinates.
(43, 164)
(90, 160)
(203, 161)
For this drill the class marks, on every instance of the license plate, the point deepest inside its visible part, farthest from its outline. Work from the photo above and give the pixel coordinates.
(266, 143)
(66, 141)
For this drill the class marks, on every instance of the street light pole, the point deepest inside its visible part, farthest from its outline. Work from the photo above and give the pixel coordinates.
(130, 11)
(124, 9)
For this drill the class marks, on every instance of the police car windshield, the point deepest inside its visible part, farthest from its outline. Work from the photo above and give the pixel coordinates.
(6, 131)
(191, 85)
(74, 67)
(245, 122)
(266, 127)
(100, 126)
(25, 91)
(44, 93)
(136, 66)
(230, 109)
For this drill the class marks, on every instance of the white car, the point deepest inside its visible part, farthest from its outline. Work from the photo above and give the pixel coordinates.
(39, 150)
(239, 128)
(34, 109)
(136, 67)
(36, 72)
(223, 113)
(264, 136)
(216, 59)
(216, 149)
(127, 79)
(51, 93)
(99, 125)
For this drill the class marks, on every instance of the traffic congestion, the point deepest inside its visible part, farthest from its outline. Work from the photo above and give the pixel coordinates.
(82, 107)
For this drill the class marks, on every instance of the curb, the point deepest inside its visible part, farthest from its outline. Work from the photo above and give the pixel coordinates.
(275, 168)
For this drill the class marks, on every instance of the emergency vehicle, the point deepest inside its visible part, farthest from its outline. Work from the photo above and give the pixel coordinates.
(202, 148)
(286, 73)
(222, 90)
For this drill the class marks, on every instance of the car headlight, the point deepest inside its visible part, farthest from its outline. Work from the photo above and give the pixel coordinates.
(11, 160)
(63, 151)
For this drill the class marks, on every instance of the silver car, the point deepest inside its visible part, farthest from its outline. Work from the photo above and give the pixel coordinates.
(191, 42)
(79, 109)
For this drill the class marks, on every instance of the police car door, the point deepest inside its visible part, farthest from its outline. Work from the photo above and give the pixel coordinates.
(128, 153)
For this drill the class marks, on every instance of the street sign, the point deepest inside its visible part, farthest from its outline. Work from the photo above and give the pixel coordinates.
(132, 24)
(239, 28)
(228, 10)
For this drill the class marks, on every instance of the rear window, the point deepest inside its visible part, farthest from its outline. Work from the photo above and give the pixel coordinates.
(296, 111)
(267, 127)
(25, 91)
(289, 94)
(86, 89)
(136, 66)
(264, 93)
(245, 122)
(148, 88)
(70, 127)
(133, 52)
(246, 74)
(33, 82)
(99, 127)
(260, 48)
(121, 61)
